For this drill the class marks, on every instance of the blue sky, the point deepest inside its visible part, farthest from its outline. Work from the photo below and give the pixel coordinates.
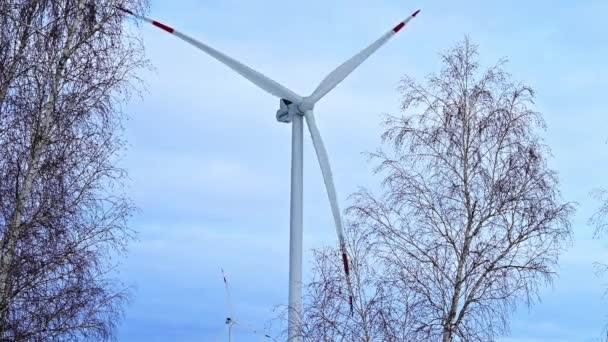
(209, 164)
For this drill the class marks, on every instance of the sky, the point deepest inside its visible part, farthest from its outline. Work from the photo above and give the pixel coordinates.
(209, 164)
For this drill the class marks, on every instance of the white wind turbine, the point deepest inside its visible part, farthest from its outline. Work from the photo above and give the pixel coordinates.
(294, 109)
(231, 321)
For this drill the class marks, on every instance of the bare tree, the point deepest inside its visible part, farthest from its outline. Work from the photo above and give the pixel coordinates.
(599, 221)
(470, 218)
(380, 311)
(65, 68)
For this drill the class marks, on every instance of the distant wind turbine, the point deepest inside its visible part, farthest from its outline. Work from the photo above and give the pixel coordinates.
(294, 108)
(230, 319)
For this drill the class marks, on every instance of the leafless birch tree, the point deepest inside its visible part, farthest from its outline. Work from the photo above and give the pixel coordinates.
(65, 68)
(469, 219)
(380, 311)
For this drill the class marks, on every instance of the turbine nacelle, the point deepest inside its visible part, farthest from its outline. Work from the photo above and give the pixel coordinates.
(287, 109)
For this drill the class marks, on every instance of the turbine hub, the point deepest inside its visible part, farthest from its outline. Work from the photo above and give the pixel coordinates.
(306, 105)
(287, 110)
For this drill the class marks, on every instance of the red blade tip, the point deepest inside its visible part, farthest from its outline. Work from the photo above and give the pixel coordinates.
(415, 13)
(162, 26)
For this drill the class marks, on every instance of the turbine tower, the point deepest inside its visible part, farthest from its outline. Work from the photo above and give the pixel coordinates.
(294, 109)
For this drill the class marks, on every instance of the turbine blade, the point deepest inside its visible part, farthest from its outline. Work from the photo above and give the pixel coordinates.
(228, 297)
(340, 73)
(321, 152)
(252, 75)
(254, 331)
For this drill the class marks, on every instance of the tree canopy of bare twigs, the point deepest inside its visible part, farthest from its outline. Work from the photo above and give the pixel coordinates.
(469, 221)
(66, 66)
(599, 221)
(380, 311)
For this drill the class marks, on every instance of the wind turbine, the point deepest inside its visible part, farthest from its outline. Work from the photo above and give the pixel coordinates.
(231, 321)
(293, 109)
(230, 318)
